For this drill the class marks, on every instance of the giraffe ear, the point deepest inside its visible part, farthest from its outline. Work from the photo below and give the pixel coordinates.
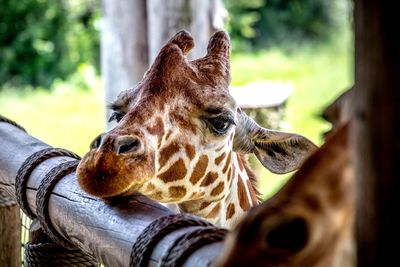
(183, 40)
(279, 152)
(219, 45)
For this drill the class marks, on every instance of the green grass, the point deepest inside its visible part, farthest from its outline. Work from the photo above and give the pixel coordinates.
(65, 118)
(70, 117)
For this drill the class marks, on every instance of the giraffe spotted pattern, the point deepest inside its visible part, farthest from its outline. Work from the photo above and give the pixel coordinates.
(180, 138)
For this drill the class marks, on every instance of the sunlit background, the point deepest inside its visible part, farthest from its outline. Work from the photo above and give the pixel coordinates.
(50, 80)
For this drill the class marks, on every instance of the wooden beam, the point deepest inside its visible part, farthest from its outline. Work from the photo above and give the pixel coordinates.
(106, 231)
(377, 131)
(10, 232)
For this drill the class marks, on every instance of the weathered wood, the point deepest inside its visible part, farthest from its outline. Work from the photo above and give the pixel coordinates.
(377, 131)
(106, 231)
(124, 48)
(10, 232)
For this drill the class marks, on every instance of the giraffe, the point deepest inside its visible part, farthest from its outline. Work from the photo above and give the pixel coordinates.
(181, 139)
(309, 222)
(339, 112)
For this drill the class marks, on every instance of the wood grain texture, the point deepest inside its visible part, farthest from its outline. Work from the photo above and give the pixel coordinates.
(10, 232)
(376, 131)
(106, 231)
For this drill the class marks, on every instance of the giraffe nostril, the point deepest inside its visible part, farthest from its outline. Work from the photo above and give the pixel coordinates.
(96, 142)
(127, 144)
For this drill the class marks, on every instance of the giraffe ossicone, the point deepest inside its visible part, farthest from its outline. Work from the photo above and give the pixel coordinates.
(182, 139)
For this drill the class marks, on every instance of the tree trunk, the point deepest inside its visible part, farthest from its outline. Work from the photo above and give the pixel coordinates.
(10, 232)
(206, 17)
(201, 17)
(124, 57)
(377, 131)
(165, 18)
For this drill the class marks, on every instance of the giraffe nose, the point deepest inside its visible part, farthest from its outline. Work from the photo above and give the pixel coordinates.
(128, 144)
(96, 143)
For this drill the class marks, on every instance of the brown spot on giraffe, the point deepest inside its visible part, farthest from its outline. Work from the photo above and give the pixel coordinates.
(157, 128)
(229, 176)
(204, 205)
(150, 187)
(240, 161)
(176, 172)
(313, 202)
(183, 122)
(190, 151)
(209, 179)
(227, 162)
(214, 212)
(253, 195)
(177, 191)
(219, 158)
(218, 189)
(168, 134)
(199, 170)
(230, 211)
(167, 152)
(242, 195)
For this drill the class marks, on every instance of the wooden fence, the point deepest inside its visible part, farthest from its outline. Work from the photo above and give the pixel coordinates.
(105, 231)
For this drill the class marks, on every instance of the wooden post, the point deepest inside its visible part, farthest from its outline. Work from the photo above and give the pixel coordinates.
(377, 131)
(10, 232)
(124, 57)
(105, 231)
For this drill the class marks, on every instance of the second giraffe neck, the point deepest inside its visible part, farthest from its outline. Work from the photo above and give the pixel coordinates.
(239, 198)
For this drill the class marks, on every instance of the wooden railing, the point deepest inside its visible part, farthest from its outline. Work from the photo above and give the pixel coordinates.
(107, 231)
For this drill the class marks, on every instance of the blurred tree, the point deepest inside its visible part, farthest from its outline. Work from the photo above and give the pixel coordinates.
(41, 40)
(286, 22)
(261, 23)
(243, 15)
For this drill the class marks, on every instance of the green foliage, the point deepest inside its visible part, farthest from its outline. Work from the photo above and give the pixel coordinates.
(243, 14)
(293, 21)
(41, 40)
(262, 23)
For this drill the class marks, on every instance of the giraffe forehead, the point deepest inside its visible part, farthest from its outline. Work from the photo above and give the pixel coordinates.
(186, 92)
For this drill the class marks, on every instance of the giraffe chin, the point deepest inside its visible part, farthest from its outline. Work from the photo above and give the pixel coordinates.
(106, 176)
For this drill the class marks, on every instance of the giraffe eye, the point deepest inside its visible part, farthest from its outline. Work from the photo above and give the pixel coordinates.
(116, 116)
(220, 125)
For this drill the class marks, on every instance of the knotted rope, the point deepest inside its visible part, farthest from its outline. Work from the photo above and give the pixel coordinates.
(158, 229)
(61, 252)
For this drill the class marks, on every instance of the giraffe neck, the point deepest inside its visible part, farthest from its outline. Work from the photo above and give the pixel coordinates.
(239, 197)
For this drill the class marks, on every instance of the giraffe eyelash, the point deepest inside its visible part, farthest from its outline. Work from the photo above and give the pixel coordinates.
(220, 125)
(116, 116)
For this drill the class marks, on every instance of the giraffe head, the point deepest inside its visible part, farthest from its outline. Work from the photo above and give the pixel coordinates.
(178, 130)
